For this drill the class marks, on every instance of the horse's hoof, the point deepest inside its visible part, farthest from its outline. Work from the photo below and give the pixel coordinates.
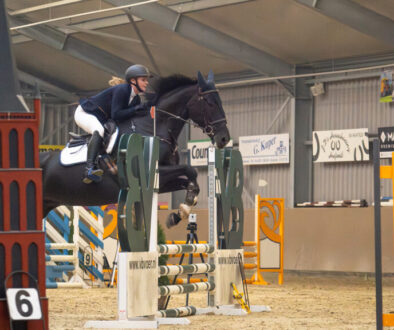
(192, 192)
(191, 199)
(172, 220)
(184, 211)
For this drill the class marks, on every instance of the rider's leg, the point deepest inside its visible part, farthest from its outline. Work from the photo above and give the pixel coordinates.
(92, 173)
(92, 125)
(88, 122)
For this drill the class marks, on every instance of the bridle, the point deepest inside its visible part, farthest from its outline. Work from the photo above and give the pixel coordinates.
(208, 127)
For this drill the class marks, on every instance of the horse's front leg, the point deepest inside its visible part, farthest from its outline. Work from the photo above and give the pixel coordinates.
(179, 177)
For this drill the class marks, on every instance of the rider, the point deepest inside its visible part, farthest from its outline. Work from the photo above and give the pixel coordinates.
(119, 103)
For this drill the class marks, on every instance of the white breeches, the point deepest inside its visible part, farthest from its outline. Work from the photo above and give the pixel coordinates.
(88, 122)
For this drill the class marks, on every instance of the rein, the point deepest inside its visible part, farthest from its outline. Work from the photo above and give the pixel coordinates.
(208, 127)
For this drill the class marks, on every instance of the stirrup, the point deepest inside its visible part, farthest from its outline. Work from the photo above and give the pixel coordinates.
(93, 175)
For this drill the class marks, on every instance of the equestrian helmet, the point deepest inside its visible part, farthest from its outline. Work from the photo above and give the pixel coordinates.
(135, 71)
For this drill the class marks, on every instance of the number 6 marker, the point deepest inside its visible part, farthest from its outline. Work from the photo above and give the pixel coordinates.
(24, 304)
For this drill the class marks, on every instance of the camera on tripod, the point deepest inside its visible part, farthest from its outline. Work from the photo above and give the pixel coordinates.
(192, 222)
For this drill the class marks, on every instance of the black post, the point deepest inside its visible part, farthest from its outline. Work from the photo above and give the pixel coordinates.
(378, 240)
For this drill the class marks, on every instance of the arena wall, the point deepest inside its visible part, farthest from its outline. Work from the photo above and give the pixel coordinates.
(316, 239)
(347, 104)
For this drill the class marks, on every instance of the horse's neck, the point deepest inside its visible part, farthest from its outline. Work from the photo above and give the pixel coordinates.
(168, 127)
(175, 103)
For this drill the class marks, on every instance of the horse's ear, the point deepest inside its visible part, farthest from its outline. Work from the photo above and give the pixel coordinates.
(210, 77)
(201, 81)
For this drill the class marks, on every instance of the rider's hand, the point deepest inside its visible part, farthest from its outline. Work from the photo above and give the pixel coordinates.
(145, 106)
(139, 107)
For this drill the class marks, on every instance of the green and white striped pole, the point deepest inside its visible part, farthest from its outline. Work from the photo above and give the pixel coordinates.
(167, 290)
(186, 269)
(178, 312)
(184, 248)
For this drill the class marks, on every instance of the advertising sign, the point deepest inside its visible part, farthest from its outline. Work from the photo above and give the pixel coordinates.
(340, 146)
(386, 87)
(386, 138)
(264, 149)
(198, 151)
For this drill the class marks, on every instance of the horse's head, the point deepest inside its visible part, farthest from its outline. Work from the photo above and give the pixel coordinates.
(206, 111)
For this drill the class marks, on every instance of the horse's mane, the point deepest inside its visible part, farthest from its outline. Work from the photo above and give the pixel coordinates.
(164, 85)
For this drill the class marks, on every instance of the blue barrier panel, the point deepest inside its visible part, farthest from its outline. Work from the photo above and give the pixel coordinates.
(87, 232)
(51, 285)
(62, 224)
(54, 273)
(97, 210)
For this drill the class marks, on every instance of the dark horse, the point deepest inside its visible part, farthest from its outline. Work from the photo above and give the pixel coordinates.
(178, 99)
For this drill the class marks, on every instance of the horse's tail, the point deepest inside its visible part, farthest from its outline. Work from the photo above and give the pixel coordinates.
(45, 164)
(44, 157)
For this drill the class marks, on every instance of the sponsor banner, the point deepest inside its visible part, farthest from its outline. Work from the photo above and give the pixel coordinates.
(340, 146)
(264, 149)
(198, 151)
(386, 87)
(386, 138)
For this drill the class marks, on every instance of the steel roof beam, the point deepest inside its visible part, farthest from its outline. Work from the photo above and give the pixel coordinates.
(48, 87)
(105, 22)
(358, 17)
(144, 44)
(210, 38)
(180, 7)
(77, 48)
(350, 62)
(42, 7)
(188, 7)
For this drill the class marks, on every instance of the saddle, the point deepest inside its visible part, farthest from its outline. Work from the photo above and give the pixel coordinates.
(76, 149)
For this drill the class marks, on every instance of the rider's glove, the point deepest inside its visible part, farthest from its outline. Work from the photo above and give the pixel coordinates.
(139, 108)
(144, 106)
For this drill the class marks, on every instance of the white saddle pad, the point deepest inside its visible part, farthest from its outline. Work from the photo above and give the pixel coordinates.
(78, 155)
(74, 155)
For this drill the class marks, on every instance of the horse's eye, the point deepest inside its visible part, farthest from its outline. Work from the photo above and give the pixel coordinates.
(212, 101)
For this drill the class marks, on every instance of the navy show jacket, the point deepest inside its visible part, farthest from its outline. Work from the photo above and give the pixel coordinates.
(112, 102)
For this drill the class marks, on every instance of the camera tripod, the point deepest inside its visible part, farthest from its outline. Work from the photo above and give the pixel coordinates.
(191, 238)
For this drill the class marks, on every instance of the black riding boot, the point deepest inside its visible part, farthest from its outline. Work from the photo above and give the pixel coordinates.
(92, 173)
